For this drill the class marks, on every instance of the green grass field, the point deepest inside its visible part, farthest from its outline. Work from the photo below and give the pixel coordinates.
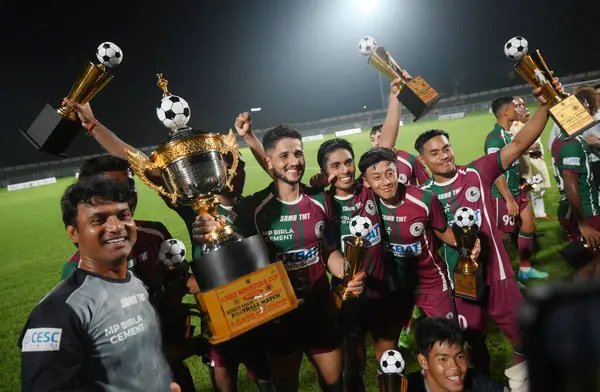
(35, 246)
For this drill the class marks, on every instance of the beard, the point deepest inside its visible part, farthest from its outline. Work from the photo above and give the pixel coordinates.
(280, 175)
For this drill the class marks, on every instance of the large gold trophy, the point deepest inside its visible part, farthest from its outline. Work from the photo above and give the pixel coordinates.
(566, 110)
(54, 129)
(469, 280)
(355, 247)
(240, 289)
(416, 94)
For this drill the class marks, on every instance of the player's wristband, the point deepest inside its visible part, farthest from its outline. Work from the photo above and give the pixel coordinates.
(89, 128)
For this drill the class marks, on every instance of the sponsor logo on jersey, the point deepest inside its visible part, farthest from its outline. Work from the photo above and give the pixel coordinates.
(299, 259)
(353, 208)
(447, 195)
(573, 161)
(416, 229)
(477, 218)
(473, 194)
(278, 235)
(402, 179)
(392, 218)
(370, 207)
(320, 229)
(230, 218)
(492, 150)
(405, 250)
(374, 236)
(130, 263)
(141, 257)
(295, 217)
(41, 339)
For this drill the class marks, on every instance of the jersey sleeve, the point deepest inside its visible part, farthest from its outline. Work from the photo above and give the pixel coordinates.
(489, 167)
(68, 267)
(242, 217)
(493, 144)
(571, 157)
(420, 172)
(482, 383)
(436, 214)
(162, 229)
(53, 350)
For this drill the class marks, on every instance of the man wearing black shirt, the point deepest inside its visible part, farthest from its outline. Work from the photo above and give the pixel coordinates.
(444, 363)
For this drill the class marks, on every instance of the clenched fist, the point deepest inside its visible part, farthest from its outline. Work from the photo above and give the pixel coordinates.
(243, 124)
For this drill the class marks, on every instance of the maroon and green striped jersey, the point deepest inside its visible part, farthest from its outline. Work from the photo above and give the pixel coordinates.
(409, 238)
(494, 142)
(573, 155)
(292, 231)
(363, 203)
(471, 187)
(410, 170)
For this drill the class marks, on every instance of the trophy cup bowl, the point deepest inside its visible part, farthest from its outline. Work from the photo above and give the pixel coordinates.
(566, 110)
(53, 130)
(416, 94)
(240, 288)
(468, 276)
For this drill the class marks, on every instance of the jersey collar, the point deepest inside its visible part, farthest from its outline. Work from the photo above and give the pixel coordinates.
(450, 181)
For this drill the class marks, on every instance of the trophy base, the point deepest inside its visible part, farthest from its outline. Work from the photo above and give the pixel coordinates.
(418, 97)
(241, 289)
(468, 285)
(52, 133)
(392, 382)
(572, 117)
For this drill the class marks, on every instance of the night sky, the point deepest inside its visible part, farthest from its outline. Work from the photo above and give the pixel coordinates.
(296, 59)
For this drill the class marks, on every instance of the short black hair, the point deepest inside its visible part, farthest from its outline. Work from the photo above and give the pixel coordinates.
(374, 156)
(279, 132)
(596, 86)
(426, 136)
(375, 129)
(437, 329)
(499, 102)
(331, 145)
(94, 167)
(85, 191)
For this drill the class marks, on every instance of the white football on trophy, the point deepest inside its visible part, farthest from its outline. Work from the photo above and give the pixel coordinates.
(516, 48)
(174, 112)
(366, 45)
(360, 226)
(171, 252)
(391, 362)
(109, 54)
(464, 217)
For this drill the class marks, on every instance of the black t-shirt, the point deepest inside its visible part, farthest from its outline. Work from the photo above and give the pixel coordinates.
(474, 382)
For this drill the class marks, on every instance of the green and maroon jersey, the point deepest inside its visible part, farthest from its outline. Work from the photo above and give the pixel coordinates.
(292, 231)
(362, 203)
(410, 170)
(471, 187)
(494, 142)
(409, 238)
(573, 155)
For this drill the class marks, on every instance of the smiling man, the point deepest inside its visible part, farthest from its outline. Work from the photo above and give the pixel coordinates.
(97, 329)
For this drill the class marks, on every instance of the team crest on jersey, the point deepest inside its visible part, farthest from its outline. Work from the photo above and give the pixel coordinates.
(370, 207)
(320, 229)
(402, 179)
(416, 229)
(473, 194)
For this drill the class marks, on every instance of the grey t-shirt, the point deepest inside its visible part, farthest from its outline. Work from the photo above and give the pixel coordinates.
(94, 333)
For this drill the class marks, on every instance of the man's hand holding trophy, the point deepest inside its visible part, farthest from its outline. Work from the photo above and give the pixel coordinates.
(54, 129)
(469, 281)
(415, 93)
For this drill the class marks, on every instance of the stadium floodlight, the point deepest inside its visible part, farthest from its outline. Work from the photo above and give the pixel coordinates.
(255, 109)
(367, 6)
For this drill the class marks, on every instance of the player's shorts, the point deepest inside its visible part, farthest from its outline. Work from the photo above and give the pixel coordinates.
(435, 304)
(505, 222)
(572, 228)
(310, 327)
(503, 301)
(383, 317)
(248, 349)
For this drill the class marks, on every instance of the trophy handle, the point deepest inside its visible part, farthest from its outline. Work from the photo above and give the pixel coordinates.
(229, 145)
(139, 164)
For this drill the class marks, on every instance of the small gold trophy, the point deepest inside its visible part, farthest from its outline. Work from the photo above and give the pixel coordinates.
(468, 274)
(566, 110)
(54, 129)
(391, 366)
(355, 247)
(416, 94)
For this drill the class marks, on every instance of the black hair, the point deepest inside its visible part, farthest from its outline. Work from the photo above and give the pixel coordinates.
(437, 329)
(375, 129)
(94, 167)
(596, 86)
(428, 135)
(279, 132)
(499, 102)
(374, 156)
(330, 146)
(85, 191)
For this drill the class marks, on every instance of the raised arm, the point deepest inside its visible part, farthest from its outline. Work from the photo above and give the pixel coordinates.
(391, 125)
(243, 126)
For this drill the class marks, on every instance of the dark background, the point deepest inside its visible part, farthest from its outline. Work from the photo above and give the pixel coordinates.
(297, 60)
